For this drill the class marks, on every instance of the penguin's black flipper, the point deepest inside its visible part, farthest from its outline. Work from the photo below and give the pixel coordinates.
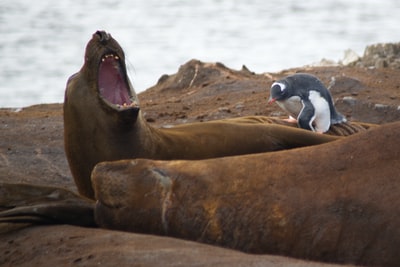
(306, 116)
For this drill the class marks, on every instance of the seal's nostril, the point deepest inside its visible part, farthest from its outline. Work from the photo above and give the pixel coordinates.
(103, 36)
(99, 34)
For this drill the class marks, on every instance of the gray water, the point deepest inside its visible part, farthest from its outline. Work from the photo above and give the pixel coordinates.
(42, 42)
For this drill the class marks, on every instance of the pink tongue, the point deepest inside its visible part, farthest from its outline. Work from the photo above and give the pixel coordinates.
(111, 83)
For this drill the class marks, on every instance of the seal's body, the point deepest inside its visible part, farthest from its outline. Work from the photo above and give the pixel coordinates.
(333, 202)
(304, 97)
(103, 122)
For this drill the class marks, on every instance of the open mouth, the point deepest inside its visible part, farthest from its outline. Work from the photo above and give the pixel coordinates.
(112, 83)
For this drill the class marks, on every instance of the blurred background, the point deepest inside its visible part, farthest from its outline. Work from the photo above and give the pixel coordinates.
(42, 42)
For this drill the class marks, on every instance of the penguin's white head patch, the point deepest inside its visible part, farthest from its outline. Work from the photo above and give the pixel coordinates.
(282, 86)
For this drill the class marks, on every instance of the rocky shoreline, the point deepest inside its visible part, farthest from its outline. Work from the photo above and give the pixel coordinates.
(31, 143)
(31, 146)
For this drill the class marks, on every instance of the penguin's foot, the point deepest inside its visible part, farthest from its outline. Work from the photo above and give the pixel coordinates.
(290, 120)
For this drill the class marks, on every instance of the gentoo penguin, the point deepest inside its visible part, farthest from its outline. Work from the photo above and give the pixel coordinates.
(304, 97)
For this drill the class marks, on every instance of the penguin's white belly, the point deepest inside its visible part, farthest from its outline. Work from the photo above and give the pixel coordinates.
(322, 116)
(291, 105)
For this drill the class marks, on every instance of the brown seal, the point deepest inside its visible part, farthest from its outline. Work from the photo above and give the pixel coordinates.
(103, 122)
(66, 245)
(335, 202)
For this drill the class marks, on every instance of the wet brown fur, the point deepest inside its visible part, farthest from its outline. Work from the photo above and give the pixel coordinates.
(336, 202)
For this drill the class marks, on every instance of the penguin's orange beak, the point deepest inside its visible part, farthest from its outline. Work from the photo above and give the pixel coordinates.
(271, 100)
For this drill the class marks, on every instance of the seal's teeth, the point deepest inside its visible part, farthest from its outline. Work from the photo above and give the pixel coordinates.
(125, 105)
(110, 56)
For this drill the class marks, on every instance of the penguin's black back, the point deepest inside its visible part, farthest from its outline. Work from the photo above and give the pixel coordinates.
(300, 84)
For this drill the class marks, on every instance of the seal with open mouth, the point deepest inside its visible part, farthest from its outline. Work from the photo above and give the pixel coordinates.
(102, 122)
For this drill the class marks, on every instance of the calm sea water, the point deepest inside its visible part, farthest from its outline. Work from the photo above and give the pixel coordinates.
(42, 42)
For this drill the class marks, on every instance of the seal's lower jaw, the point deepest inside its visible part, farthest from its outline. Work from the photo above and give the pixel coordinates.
(113, 87)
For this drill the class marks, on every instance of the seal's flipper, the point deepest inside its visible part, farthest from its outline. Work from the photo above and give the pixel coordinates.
(33, 204)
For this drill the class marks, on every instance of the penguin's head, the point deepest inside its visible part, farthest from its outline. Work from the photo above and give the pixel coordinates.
(278, 92)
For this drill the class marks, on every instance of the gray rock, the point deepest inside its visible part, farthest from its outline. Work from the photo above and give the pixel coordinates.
(381, 56)
(350, 100)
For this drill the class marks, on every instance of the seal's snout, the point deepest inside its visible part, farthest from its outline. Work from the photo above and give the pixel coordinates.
(103, 36)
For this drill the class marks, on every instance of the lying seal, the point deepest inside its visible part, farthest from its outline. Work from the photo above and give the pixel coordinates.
(65, 245)
(103, 122)
(334, 202)
(306, 98)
